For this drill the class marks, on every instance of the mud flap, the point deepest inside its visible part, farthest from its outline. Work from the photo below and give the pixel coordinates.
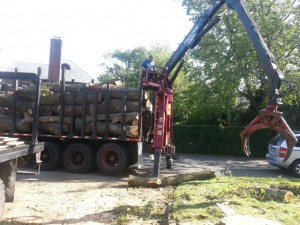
(269, 120)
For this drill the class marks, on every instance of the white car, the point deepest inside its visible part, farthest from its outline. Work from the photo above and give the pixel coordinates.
(277, 152)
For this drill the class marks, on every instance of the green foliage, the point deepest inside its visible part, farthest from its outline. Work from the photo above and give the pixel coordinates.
(219, 140)
(227, 83)
(126, 65)
(223, 82)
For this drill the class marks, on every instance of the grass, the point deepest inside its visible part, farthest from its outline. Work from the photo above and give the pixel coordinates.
(150, 211)
(196, 202)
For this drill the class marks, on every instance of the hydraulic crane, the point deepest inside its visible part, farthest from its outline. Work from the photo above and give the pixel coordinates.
(161, 82)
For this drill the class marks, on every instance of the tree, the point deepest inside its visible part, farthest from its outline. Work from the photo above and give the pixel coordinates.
(126, 65)
(227, 78)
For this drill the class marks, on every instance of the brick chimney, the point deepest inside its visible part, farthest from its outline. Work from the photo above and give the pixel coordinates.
(54, 59)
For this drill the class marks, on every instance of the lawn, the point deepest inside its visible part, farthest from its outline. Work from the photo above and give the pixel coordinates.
(196, 202)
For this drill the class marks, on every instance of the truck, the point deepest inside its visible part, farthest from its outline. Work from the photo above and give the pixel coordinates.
(85, 135)
(14, 149)
(82, 125)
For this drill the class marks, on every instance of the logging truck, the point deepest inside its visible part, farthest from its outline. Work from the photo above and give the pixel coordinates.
(81, 125)
(13, 150)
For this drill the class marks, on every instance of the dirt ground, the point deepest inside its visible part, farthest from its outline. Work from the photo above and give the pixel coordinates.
(58, 197)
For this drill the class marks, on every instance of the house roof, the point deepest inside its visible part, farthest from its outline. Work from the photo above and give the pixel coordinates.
(76, 73)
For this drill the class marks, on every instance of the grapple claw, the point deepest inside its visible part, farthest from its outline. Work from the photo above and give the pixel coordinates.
(269, 120)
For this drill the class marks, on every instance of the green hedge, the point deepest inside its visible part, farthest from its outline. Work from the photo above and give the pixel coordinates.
(219, 141)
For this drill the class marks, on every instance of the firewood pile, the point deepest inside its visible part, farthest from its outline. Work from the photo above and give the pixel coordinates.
(85, 109)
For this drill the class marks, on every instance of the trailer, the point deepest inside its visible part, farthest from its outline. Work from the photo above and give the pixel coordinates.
(82, 125)
(12, 148)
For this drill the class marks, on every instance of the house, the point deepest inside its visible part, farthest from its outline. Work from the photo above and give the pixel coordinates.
(76, 74)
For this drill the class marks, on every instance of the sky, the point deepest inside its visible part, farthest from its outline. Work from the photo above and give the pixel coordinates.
(88, 28)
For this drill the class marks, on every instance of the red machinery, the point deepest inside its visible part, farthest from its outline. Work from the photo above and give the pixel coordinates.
(161, 82)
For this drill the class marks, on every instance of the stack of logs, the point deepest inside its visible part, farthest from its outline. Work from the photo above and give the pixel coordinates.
(87, 110)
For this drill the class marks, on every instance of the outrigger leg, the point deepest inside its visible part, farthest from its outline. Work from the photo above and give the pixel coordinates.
(156, 167)
(272, 119)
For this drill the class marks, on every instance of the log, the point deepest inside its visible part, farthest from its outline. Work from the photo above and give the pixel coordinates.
(6, 100)
(272, 194)
(54, 98)
(116, 106)
(91, 97)
(45, 119)
(68, 87)
(7, 125)
(44, 110)
(119, 92)
(78, 110)
(53, 128)
(137, 181)
(130, 118)
(295, 188)
(113, 129)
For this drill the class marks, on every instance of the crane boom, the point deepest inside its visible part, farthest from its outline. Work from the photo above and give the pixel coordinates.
(194, 36)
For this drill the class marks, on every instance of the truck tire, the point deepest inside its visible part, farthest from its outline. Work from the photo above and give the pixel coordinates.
(112, 159)
(2, 198)
(51, 156)
(295, 168)
(79, 158)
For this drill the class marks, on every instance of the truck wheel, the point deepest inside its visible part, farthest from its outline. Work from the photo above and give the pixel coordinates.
(2, 199)
(79, 158)
(112, 159)
(295, 168)
(52, 156)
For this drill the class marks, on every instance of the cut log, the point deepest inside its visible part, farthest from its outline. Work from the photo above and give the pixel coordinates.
(6, 100)
(116, 106)
(269, 194)
(68, 87)
(130, 118)
(44, 110)
(295, 188)
(119, 92)
(77, 111)
(91, 97)
(137, 181)
(53, 128)
(7, 124)
(113, 129)
(45, 119)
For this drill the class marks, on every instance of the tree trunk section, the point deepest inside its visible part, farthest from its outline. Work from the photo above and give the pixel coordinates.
(137, 181)
(271, 194)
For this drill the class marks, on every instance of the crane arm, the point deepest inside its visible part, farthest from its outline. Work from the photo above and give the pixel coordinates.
(195, 34)
(266, 57)
(268, 117)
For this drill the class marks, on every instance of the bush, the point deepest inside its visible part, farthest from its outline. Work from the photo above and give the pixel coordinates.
(219, 140)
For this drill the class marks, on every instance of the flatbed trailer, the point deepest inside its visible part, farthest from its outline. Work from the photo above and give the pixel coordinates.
(13, 148)
(10, 150)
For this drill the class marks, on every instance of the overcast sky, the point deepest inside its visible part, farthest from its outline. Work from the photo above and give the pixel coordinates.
(88, 28)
